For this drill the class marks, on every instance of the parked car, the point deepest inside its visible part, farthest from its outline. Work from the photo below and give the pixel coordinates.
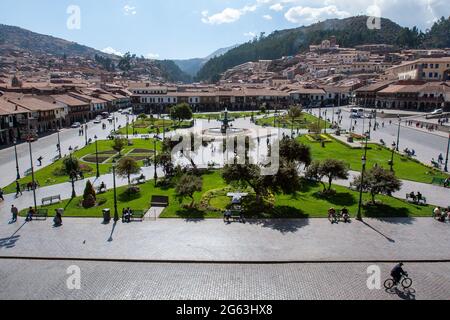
(437, 111)
(76, 125)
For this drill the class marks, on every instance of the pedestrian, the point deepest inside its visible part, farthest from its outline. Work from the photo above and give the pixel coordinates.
(40, 161)
(18, 190)
(1, 195)
(30, 214)
(14, 212)
(58, 218)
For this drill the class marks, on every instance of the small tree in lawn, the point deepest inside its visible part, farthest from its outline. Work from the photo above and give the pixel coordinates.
(378, 181)
(187, 186)
(89, 195)
(126, 167)
(181, 112)
(119, 145)
(294, 113)
(333, 169)
(71, 165)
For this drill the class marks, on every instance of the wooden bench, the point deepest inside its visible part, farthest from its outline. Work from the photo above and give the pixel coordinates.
(41, 214)
(101, 190)
(234, 215)
(160, 201)
(438, 181)
(138, 215)
(52, 199)
(422, 201)
(140, 180)
(28, 173)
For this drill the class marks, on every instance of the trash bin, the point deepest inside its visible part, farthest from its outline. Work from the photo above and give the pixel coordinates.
(106, 215)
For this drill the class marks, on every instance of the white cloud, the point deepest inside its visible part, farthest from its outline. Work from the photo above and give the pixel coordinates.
(276, 7)
(110, 50)
(250, 34)
(152, 56)
(228, 15)
(267, 17)
(309, 15)
(129, 10)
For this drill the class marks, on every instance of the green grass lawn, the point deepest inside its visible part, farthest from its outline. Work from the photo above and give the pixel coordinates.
(405, 168)
(307, 203)
(46, 177)
(152, 126)
(286, 122)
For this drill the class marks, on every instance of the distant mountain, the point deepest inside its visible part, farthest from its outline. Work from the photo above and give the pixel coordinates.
(192, 66)
(20, 39)
(349, 32)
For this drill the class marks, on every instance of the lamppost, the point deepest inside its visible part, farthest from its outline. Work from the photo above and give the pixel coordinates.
(375, 116)
(326, 111)
(391, 163)
(398, 134)
(17, 159)
(116, 212)
(114, 122)
(446, 158)
(320, 116)
(59, 146)
(72, 174)
(363, 171)
(127, 126)
(32, 174)
(96, 156)
(86, 133)
(155, 177)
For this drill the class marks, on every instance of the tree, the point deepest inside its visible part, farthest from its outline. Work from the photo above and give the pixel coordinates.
(293, 151)
(294, 113)
(334, 169)
(329, 168)
(126, 167)
(378, 181)
(119, 144)
(126, 61)
(71, 165)
(187, 186)
(245, 175)
(89, 195)
(164, 160)
(181, 112)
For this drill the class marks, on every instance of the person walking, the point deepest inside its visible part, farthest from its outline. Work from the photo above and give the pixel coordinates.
(18, 190)
(15, 213)
(30, 214)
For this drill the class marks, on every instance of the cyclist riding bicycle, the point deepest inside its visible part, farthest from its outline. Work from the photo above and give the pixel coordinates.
(397, 273)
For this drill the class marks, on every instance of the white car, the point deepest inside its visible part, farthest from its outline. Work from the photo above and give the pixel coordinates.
(76, 125)
(97, 121)
(438, 111)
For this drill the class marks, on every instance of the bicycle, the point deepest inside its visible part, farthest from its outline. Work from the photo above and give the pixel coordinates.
(405, 281)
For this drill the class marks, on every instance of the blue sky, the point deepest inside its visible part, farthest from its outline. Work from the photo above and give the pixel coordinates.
(195, 28)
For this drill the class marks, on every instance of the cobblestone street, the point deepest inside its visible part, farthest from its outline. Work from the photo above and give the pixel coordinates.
(118, 281)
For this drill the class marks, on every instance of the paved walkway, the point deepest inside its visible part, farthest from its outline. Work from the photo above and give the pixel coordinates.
(26, 280)
(212, 240)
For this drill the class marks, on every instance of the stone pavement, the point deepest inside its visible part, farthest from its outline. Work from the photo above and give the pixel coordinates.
(212, 240)
(24, 279)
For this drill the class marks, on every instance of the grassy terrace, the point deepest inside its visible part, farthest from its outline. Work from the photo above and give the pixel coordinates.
(211, 202)
(286, 122)
(46, 176)
(153, 126)
(404, 167)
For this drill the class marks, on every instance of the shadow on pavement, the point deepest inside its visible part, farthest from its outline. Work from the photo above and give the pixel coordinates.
(379, 232)
(10, 242)
(110, 239)
(281, 225)
(407, 294)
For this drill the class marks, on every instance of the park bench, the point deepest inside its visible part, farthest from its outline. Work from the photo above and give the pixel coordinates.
(139, 180)
(56, 158)
(138, 215)
(41, 214)
(28, 173)
(160, 201)
(438, 181)
(234, 215)
(51, 199)
(101, 190)
(422, 201)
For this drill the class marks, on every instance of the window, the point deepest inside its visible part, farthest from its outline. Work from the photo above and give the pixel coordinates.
(430, 75)
(437, 66)
(435, 74)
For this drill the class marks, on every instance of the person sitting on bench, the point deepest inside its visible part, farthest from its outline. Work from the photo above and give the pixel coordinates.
(447, 183)
(127, 215)
(102, 187)
(227, 216)
(30, 214)
(412, 195)
(419, 196)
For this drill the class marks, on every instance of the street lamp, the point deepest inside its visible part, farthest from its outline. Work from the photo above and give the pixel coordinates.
(32, 174)
(446, 158)
(17, 159)
(116, 212)
(375, 116)
(391, 163)
(72, 174)
(59, 146)
(363, 171)
(127, 126)
(398, 134)
(155, 177)
(96, 156)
